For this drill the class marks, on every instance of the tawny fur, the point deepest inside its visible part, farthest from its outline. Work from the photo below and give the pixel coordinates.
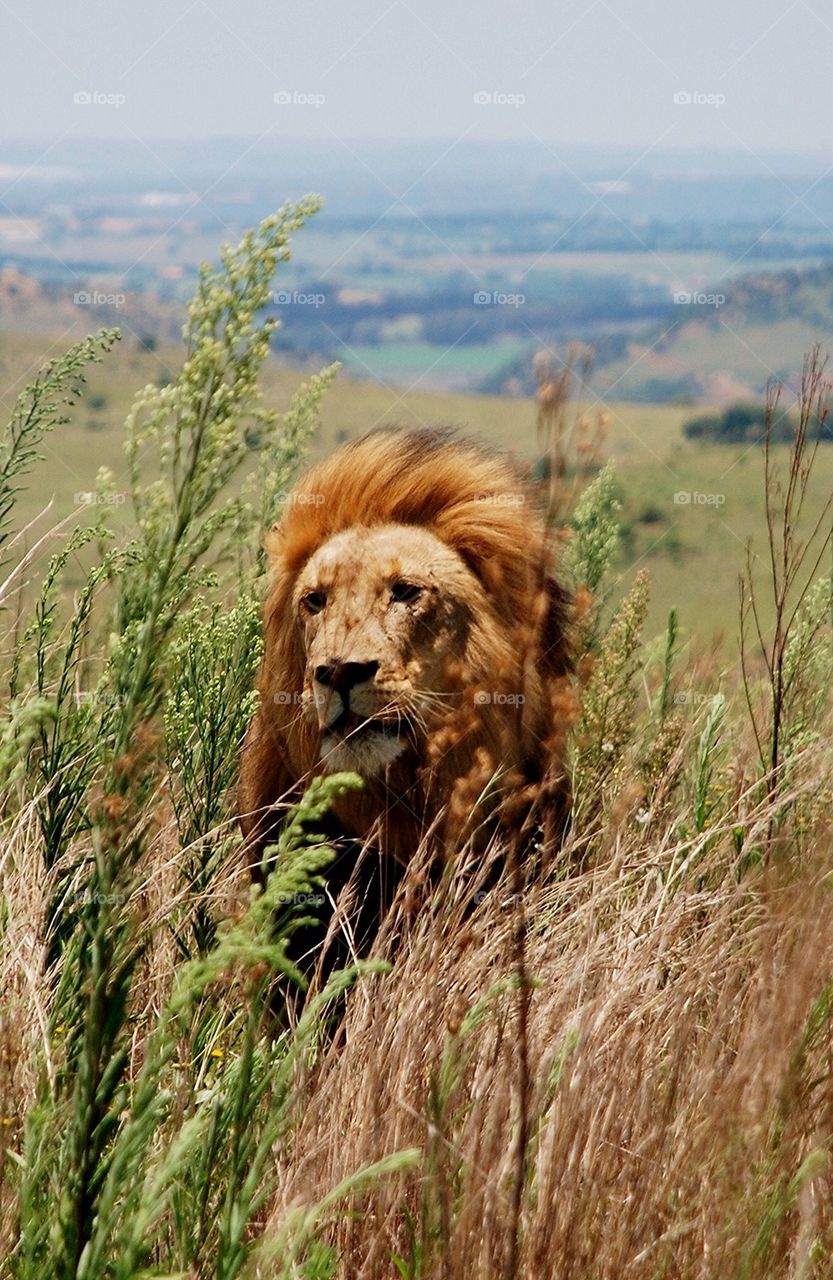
(500, 662)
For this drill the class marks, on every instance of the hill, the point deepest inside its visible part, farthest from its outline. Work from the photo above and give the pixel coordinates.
(715, 345)
(688, 506)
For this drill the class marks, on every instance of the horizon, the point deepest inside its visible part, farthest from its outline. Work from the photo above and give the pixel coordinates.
(716, 150)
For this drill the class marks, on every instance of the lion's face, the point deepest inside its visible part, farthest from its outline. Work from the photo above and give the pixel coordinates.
(382, 611)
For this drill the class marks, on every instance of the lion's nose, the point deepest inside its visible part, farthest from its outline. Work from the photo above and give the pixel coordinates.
(343, 676)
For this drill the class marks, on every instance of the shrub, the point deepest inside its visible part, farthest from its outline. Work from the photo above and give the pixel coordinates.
(746, 423)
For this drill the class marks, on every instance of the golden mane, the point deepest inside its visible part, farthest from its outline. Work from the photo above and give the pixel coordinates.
(476, 503)
(472, 499)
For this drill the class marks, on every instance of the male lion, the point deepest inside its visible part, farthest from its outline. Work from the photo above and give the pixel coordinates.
(415, 635)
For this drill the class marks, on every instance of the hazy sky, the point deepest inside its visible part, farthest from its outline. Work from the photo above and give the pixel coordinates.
(603, 72)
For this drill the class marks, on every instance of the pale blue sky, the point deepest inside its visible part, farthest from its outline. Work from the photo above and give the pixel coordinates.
(589, 72)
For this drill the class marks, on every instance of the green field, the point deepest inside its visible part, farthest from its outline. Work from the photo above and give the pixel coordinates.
(396, 361)
(694, 551)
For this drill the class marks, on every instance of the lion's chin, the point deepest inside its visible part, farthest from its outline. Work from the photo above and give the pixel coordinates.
(367, 754)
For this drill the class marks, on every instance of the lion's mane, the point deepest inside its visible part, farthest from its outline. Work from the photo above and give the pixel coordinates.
(474, 501)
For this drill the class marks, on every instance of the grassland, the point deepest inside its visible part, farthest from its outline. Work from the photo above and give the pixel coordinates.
(694, 551)
(602, 1060)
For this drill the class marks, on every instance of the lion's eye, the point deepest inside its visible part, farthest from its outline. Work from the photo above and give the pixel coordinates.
(404, 592)
(314, 601)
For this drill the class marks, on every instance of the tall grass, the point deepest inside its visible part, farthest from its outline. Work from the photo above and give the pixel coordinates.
(623, 1071)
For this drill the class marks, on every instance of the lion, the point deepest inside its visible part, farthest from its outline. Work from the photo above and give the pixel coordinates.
(415, 634)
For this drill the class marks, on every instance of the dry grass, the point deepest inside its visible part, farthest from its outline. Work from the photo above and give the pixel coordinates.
(678, 1090)
(678, 1087)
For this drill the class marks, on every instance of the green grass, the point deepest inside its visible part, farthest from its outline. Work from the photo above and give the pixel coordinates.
(694, 553)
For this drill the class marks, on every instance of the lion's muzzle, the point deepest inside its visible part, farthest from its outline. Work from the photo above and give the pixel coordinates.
(343, 691)
(359, 729)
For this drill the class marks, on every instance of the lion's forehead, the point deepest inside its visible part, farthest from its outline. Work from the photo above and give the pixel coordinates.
(370, 555)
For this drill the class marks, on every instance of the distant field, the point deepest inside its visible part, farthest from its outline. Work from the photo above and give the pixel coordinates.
(742, 354)
(433, 364)
(754, 352)
(689, 267)
(694, 550)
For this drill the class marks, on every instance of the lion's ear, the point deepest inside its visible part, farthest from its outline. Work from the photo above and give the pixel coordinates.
(273, 542)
